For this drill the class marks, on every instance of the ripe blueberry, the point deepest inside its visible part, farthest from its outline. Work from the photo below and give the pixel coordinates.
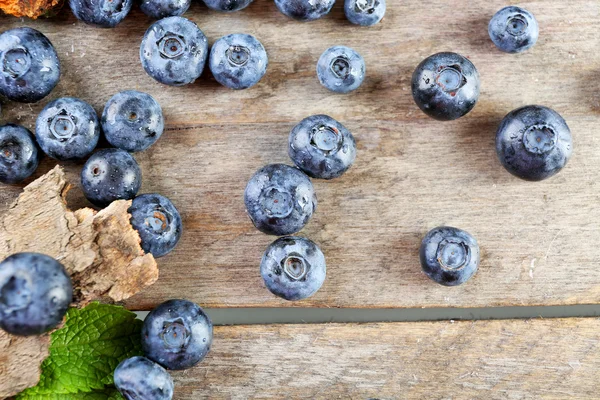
(304, 10)
(139, 378)
(227, 5)
(177, 334)
(364, 12)
(449, 256)
(101, 13)
(513, 29)
(445, 86)
(341, 69)
(322, 147)
(534, 143)
(19, 156)
(29, 66)
(158, 9)
(280, 199)
(35, 293)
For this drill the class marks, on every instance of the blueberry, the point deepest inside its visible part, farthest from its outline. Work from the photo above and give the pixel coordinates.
(29, 66)
(513, 29)
(293, 268)
(35, 293)
(157, 221)
(227, 5)
(67, 129)
(304, 10)
(449, 256)
(139, 378)
(280, 199)
(341, 69)
(534, 143)
(446, 86)
(322, 147)
(364, 12)
(158, 9)
(132, 121)
(18, 154)
(238, 61)
(101, 13)
(177, 334)
(109, 175)
(174, 51)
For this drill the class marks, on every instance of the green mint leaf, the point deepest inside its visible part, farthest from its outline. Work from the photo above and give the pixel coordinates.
(106, 394)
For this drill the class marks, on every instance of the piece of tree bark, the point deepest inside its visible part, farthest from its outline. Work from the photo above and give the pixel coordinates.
(100, 250)
(30, 8)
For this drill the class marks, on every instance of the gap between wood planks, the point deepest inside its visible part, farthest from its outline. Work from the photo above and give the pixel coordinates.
(261, 316)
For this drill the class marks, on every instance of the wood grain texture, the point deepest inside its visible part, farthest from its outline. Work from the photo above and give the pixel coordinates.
(539, 241)
(513, 359)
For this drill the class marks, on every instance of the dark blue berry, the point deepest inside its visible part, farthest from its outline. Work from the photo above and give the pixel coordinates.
(101, 13)
(35, 293)
(19, 156)
(132, 121)
(109, 175)
(280, 199)
(174, 51)
(238, 61)
(138, 378)
(341, 69)
(513, 29)
(293, 268)
(227, 5)
(29, 66)
(322, 147)
(304, 10)
(158, 9)
(177, 334)
(364, 12)
(449, 256)
(445, 86)
(67, 129)
(534, 143)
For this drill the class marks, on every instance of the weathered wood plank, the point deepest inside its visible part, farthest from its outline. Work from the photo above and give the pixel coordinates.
(412, 173)
(513, 359)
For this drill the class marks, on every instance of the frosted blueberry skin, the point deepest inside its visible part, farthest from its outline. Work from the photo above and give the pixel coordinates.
(322, 147)
(67, 129)
(238, 61)
(174, 51)
(19, 156)
(513, 29)
(101, 13)
(132, 121)
(280, 200)
(177, 334)
(158, 9)
(449, 256)
(158, 223)
(364, 12)
(35, 293)
(341, 69)
(139, 378)
(304, 10)
(109, 175)
(446, 86)
(293, 268)
(534, 143)
(29, 65)
(227, 5)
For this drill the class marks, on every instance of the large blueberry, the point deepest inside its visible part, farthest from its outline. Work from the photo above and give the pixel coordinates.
(227, 5)
(109, 175)
(138, 378)
(132, 121)
(67, 129)
(177, 334)
(304, 10)
(322, 147)
(534, 143)
(19, 156)
(29, 66)
(157, 221)
(293, 268)
(158, 9)
(174, 51)
(280, 199)
(238, 61)
(513, 29)
(35, 293)
(101, 13)
(449, 256)
(364, 12)
(445, 86)
(341, 69)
